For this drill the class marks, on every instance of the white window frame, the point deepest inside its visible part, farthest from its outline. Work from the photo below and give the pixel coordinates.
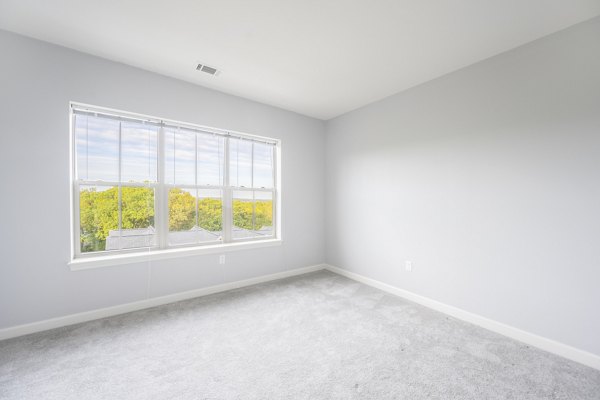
(162, 249)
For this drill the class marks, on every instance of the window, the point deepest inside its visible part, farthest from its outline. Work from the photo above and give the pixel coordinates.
(143, 184)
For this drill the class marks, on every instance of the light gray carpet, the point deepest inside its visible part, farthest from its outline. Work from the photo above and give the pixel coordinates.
(316, 336)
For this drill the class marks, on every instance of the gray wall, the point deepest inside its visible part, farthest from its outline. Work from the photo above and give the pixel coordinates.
(488, 180)
(37, 81)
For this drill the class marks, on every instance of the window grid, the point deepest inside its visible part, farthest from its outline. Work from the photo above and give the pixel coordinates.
(161, 188)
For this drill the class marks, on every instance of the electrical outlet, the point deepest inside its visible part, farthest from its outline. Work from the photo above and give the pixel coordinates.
(408, 266)
(222, 259)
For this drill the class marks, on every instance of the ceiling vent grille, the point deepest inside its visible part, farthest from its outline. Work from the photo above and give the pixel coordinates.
(207, 69)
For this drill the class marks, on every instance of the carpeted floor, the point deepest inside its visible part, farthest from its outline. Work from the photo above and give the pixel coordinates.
(316, 336)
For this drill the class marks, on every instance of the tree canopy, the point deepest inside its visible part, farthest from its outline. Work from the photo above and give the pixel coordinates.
(99, 213)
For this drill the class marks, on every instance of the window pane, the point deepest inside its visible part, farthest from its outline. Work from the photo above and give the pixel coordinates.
(263, 213)
(252, 214)
(195, 216)
(138, 152)
(240, 163)
(243, 213)
(98, 216)
(211, 152)
(182, 215)
(180, 156)
(263, 165)
(97, 148)
(210, 211)
(137, 220)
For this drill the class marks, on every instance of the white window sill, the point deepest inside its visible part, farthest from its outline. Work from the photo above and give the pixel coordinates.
(130, 258)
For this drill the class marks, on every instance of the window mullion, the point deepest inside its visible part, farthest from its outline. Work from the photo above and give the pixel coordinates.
(162, 195)
(119, 190)
(227, 197)
(252, 186)
(196, 178)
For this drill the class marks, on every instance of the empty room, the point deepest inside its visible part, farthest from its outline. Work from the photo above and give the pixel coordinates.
(285, 199)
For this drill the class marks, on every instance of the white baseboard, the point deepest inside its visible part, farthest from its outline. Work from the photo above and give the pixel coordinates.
(561, 349)
(71, 319)
(551, 346)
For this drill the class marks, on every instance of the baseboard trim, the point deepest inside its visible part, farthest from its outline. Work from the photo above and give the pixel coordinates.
(25, 329)
(549, 345)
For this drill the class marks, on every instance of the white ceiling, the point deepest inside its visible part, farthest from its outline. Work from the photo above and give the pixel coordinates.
(320, 58)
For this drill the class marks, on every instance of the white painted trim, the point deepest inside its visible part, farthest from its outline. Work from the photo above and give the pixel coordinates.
(150, 255)
(66, 320)
(549, 345)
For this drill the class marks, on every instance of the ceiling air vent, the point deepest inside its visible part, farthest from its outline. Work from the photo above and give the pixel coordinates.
(207, 69)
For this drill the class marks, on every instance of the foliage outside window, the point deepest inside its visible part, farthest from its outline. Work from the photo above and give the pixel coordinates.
(143, 183)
